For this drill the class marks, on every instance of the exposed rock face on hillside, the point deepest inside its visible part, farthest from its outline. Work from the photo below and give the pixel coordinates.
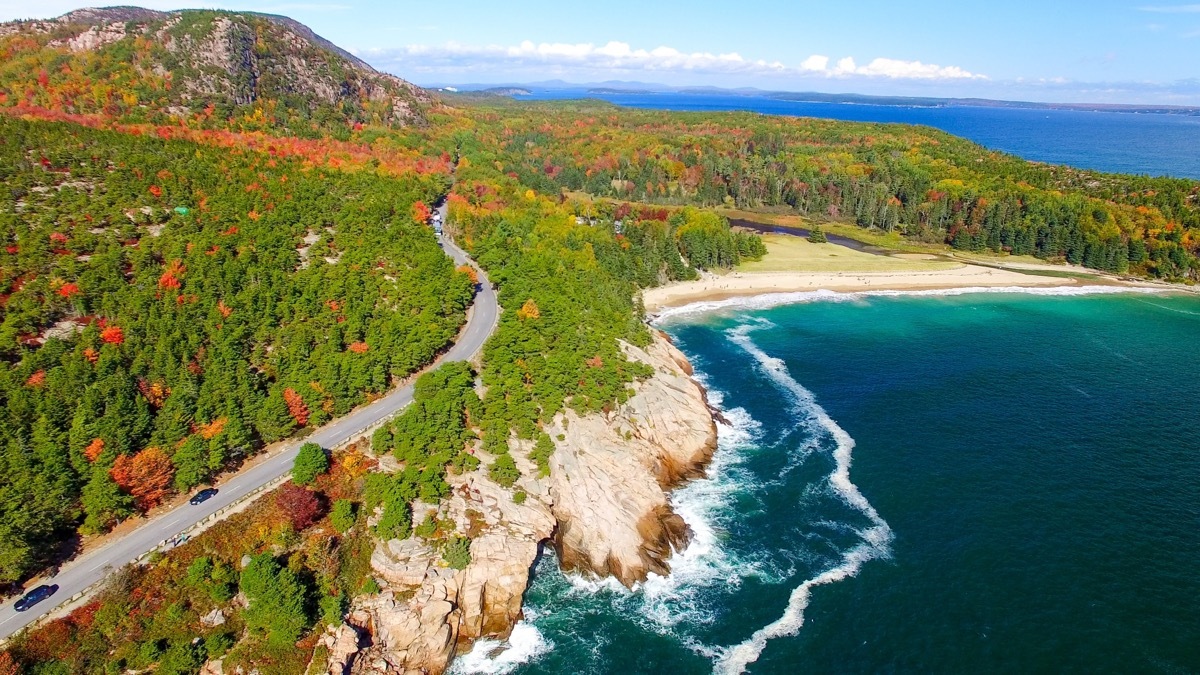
(604, 506)
(186, 60)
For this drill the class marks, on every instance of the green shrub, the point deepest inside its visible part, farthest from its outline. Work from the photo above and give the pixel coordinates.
(396, 521)
(311, 461)
(519, 497)
(343, 515)
(333, 609)
(428, 527)
(215, 646)
(504, 470)
(199, 571)
(542, 451)
(457, 552)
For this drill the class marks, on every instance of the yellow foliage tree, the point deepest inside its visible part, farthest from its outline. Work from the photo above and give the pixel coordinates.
(529, 310)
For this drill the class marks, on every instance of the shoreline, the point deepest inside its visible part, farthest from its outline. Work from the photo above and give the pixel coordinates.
(713, 288)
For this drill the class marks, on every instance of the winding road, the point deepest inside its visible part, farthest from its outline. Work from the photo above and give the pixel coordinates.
(92, 567)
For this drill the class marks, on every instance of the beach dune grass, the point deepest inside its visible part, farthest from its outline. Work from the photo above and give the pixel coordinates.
(786, 253)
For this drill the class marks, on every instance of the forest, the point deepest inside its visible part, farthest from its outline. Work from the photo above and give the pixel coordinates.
(167, 308)
(920, 182)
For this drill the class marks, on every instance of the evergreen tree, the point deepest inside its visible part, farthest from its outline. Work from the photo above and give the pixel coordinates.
(311, 461)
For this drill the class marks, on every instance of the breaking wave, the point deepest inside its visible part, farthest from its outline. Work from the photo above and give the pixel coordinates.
(497, 657)
(876, 539)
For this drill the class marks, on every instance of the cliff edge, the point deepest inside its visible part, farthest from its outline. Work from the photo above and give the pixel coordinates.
(604, 507)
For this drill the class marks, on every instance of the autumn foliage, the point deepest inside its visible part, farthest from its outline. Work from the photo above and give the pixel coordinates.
(146, 476)
(470, 272)
(420, 212)
(300, 506)
(112, 335)
(529, 310)
(297, 408)
(93, 449)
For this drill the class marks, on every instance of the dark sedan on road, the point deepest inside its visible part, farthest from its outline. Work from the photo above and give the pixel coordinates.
(203, 496)
(34, 597)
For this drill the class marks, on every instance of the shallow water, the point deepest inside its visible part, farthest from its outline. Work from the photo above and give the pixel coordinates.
(988, 482)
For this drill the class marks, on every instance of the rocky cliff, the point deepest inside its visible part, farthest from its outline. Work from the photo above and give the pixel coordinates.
(604, 507)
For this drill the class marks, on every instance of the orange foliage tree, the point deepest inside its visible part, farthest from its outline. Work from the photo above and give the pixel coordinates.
(113, 335)
(296, 406)
(146, 476)
(420, 212)
(93, 449)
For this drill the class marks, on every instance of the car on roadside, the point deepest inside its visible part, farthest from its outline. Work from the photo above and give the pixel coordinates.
(34, 596)
(203, 496)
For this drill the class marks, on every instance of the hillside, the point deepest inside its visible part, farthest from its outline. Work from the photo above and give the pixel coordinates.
(252, 70)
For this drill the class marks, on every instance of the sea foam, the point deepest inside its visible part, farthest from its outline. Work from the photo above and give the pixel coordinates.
(876, 539)
(770, 300)
(494, 657)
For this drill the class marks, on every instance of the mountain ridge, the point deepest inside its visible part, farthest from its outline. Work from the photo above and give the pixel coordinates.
(179, 63)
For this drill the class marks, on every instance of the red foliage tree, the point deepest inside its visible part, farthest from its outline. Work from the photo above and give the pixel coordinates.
(68, 290)
(37, 379)
(113, 335)
(296, 406)
(146, 476)
(301, 506)
(170, 276)
(358, 347)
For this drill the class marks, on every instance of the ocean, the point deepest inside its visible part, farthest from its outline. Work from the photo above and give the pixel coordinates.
(928, 482)
(1152, 144)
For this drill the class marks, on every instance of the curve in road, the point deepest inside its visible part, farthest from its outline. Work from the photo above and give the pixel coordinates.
(82, 573)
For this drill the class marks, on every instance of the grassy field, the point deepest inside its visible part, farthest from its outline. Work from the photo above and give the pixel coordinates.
(786, 253)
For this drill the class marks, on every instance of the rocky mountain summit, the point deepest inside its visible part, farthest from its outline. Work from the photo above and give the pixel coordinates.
(189, 62)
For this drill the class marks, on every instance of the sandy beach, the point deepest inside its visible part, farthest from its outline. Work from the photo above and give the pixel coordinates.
(736, 284)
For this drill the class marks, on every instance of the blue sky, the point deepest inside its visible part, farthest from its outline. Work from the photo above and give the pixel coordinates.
(1100, 51)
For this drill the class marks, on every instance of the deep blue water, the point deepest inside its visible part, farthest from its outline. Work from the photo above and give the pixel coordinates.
(1153, 144)
(1023, 496)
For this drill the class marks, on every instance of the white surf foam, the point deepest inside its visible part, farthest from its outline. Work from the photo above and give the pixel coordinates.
(677, 598)
(495, 657)
(876, 539)
(769, 300)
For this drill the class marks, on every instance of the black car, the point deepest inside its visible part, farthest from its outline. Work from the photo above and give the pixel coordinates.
(34, 597)
(202, 496)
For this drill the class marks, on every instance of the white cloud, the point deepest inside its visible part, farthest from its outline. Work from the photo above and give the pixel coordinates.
(622, 58)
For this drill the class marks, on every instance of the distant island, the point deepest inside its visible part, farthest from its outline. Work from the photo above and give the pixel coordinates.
(506, 91)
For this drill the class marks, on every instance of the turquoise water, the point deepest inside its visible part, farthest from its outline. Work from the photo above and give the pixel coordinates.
(1024, 496)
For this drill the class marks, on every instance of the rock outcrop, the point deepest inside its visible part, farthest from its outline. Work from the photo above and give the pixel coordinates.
(429, 611)
(610, 473)
(604, 507)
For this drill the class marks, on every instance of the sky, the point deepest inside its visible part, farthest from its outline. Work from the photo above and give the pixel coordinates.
(1102, 51)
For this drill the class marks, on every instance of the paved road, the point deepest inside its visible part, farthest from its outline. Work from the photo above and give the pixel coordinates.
(88, 569)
